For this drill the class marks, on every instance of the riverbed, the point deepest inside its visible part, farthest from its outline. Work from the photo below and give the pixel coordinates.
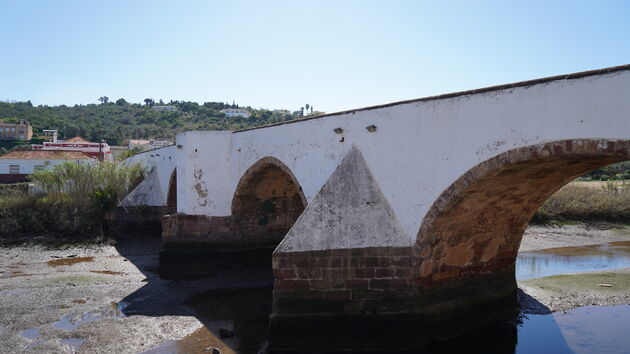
(110, 299)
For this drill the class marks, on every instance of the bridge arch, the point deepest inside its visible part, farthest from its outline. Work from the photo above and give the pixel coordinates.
(171, 197)
(476, 225)
(268, 200)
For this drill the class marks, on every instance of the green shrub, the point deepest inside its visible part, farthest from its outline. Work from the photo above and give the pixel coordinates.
(74, 203)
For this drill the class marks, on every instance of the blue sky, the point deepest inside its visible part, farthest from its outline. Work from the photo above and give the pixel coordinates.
(334, 55)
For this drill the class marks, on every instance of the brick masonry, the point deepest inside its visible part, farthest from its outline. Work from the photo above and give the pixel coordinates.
(476, 225)
(144, 220)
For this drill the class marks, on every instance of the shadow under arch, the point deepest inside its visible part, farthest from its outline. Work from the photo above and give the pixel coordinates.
(267, 201)
(171, 197)
(475, 227)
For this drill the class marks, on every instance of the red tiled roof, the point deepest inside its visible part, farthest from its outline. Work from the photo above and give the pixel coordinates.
(76, 139)
(46, 155)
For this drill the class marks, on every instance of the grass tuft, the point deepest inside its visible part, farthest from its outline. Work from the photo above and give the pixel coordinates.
(579, 202)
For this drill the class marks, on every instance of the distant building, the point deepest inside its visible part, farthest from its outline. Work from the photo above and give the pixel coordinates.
(15, 166)
(96, 150)
(21, 130)
(148, 144)
(164, 108)
(235, 112)
(50, 134)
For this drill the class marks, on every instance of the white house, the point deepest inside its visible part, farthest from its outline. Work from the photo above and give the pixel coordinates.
(15, 166)
(235, 112)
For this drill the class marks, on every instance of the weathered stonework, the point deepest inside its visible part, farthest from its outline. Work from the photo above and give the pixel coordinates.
(265, 206)
(144, 220)
(476, 225)
(462, 266)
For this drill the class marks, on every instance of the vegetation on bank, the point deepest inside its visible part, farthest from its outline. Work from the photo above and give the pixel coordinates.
(72, 204)
(618, 171)
(608, 201)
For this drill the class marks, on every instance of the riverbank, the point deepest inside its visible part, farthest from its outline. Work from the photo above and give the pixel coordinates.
(571, 234)
(109, 298)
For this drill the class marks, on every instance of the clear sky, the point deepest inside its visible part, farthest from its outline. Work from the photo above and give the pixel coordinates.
(334, 55)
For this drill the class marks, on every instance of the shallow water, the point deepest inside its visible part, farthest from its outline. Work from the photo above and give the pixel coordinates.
(556, 261)
(591, 329)
(73, 321)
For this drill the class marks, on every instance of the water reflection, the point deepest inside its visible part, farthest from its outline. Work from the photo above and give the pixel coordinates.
(244, 313)
(565, 260)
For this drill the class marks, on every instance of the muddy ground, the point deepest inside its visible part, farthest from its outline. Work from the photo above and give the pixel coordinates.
(109, 299)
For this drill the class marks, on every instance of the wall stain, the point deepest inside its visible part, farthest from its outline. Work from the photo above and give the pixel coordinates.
(200, 187)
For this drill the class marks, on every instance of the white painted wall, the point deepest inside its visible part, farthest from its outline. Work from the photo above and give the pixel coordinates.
(27, 166)
(419, 148)
(204, 178)
(158, 165)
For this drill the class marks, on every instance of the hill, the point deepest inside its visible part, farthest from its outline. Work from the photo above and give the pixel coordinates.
(120, 120)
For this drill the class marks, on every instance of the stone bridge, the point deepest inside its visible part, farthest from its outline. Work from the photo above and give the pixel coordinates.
(405, 213)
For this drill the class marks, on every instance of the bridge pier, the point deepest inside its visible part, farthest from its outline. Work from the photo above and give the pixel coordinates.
(197, 246)
(371, 298)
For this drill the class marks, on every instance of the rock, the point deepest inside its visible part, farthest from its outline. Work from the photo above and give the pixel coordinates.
(226, 333)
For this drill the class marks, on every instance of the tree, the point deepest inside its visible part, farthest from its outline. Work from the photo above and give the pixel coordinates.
(149, 101)
(302, 110)
(104, 99)
(121, 102)
(307, 107)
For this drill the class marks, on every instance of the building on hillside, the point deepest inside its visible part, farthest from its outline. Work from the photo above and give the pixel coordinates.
(21, 130)
(164, 108)
(148, 144)
(100, 151)
(15, 166)
(235, 112)
(50, 134)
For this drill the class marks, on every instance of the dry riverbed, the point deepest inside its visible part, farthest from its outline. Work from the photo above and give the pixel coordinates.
(103, 300)
(568, 291)
(109, 299)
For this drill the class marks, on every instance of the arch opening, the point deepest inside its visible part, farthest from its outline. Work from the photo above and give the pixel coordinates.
(475, 227)
(171, 199)
(267, 202)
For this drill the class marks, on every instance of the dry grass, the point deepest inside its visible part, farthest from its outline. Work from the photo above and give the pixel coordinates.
(76, 199)
(588, 201)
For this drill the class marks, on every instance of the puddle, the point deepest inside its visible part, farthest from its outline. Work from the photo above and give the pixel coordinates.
(69, 261)
(109, 272)
(78, 301)
(75, 343)
(71, 322)
(556, 261)
(31, 333)
(235, 321)
(200, 341)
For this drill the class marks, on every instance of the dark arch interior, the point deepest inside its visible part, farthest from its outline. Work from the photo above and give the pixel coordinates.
(267, 203)
(171, 200)
(477, 224)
